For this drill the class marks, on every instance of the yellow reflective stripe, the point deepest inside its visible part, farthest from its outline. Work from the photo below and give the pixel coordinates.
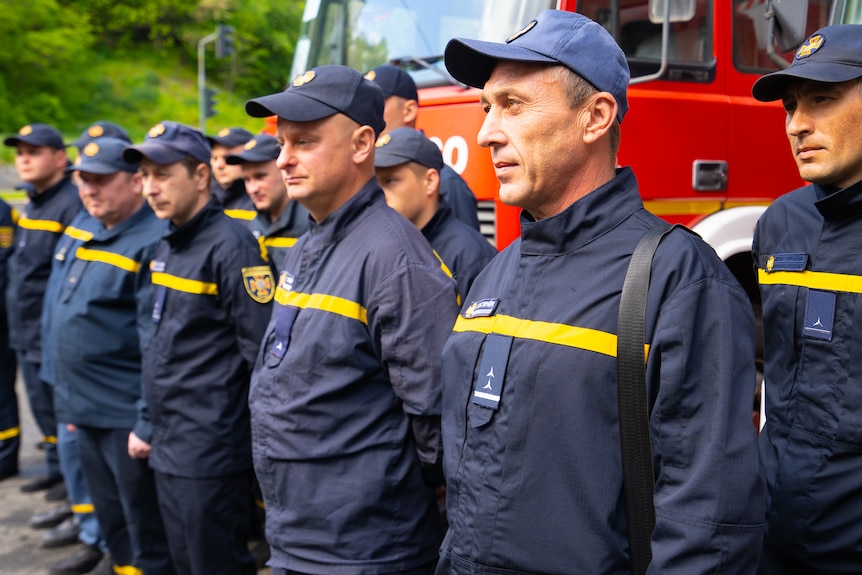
(184, 285)
(322, 302)
(442, 264)
(83, 508)
(260, 503)
(279, 242)
(241, 214)
(49, 439)
(816, 280)
(78, 234)
(10, 433)
(109, 258)
(127, 570)
(40, 225)
(557, 333)
(14, 216)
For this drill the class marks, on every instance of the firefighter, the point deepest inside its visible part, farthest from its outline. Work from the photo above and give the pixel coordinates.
(345, 395)
(279, 219)
(40, 161)
(402, 109)
(212, 299)
(100, 296)
(10, 431)
(408, 168)
(530, 417)
(809, 270)
(228, 186)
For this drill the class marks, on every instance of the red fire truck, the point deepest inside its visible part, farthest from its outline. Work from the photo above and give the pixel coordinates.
(706, 154)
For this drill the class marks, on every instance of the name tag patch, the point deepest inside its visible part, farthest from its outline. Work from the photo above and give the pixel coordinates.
(785, 262)
(819, 315)
(482, 308)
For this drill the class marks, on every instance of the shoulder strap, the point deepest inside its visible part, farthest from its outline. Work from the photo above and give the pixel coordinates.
(638, 475)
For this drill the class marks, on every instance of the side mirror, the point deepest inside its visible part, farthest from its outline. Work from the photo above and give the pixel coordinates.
(790, 18)
(680, 10)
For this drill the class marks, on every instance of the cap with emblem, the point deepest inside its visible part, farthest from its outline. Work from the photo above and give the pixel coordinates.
(101, 129)
(394, 81)
(831, 54)
(37, 135)
(554, 37)
(230, 137)
(403, 145)
(261, 148)
(104, 156)
(169, 142)
(322, 92)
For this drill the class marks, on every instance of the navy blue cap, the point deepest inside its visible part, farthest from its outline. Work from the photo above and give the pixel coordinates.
(394, 81)
(832, 54)
(169, 142)
(230, 137)
(322, 92)
(104, 156)
(554, 37)
(403, 145)
(37, 135)
(261, 148)
(101, 129)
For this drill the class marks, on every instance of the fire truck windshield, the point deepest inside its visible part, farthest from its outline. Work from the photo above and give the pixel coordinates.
(363, 34)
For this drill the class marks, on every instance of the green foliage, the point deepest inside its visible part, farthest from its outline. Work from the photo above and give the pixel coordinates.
(135, 62)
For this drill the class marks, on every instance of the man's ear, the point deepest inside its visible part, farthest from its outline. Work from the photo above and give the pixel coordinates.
(431, 182)
(600, 113)
(202, 176)
(363, 141)
(409, 112)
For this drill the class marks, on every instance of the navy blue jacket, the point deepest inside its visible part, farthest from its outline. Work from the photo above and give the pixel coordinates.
(465, 251)
(279, 236)
(345, 396)
(459, 196)
(212, 299)
(530, 420)
(8, 219)
(39, 228)
(97, 313)
(808, 251)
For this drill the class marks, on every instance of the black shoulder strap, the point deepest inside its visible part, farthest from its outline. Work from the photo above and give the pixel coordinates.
(638, 475)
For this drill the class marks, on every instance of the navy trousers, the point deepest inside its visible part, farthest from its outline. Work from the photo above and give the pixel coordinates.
(124, 495)
(10, 431)
(207, 520)
(41, 396)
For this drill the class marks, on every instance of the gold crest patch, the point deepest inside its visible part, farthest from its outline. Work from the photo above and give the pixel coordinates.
(382, 140)
(371, 75)
(303, 79)
(6, 237)
(250, 144)
(95, 131)
(91, 149)
(156, 131)
(811, 45)
(770, 263)
(26, 130)
(259, 283)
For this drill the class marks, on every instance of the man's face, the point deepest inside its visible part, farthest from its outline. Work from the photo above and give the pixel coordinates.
(316, 162)
(111, 198)
(406, 190)
(265, 186)
(225, 173)
(172, 192)
(41, 166)
(824, 126)
(536, 145)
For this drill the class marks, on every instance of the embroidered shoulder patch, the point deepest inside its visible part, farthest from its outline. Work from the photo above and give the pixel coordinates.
(6, 237)
(259, 283)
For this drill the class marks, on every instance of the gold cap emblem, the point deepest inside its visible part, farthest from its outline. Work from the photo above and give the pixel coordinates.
(91, 149)
(382, 140)
(371, 75)
(303, 79)
(250, 144)
(156, 131)
(26, 130)
(224, 132)
(811, 45)
(521, 32)
(96, 131)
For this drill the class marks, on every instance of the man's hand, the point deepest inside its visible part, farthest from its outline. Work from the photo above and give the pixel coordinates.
(138, 448)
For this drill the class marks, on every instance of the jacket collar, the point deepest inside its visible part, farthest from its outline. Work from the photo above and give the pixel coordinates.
(349, 215)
